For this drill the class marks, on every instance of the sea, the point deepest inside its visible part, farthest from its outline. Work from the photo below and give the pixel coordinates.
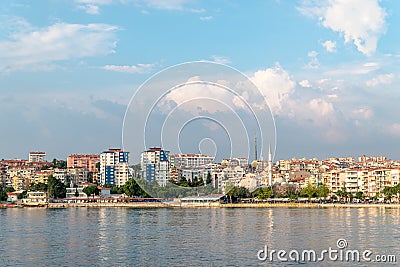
(200, 237)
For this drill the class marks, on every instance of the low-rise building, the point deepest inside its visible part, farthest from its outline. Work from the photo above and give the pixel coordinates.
(35, 198)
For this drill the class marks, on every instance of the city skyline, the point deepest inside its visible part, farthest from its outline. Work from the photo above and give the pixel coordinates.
(330, 82)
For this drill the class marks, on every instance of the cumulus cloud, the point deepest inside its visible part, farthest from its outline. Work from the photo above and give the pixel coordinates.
(305, 83)
(90, 9)
(320, 107)
(276, 85)
(139, 68)
(196, 97)
(329, 45)
(60, 41)
(360, 21)
(380, 79)
(364, 113)
(314, 62)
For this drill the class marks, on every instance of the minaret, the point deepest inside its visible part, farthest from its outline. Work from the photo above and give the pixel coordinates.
(255, 147)
(269, 166)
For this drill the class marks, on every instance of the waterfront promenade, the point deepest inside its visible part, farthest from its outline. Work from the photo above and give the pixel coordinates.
(218, 205)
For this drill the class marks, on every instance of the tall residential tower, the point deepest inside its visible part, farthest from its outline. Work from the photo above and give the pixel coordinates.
(114, 167)
(155, 165)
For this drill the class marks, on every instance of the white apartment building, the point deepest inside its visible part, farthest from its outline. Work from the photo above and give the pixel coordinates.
(155, 164)
(191, 160)
(114, 167)
(37, 156)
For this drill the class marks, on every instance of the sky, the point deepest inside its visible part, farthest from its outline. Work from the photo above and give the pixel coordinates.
(328, 69)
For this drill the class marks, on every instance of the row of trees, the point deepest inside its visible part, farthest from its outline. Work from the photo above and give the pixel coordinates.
(142, 188)
(194, 182)
(309, 191)
(390, 192)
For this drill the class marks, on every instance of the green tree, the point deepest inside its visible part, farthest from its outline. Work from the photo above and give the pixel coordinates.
(59, 164)
(38, 187)
(22, 195)
(132, 188)
(265, 192)
(209, 178)
(90, 177)
(76, 194)
(309, 191)
(389, 192)
(91, 190)
(342, 193)
(359, 195)
(9, 189)
(56, 188)
(323, 191)
(238, 192)
(3, 194)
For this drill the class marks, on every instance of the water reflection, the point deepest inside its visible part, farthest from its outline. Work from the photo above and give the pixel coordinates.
(185, 237)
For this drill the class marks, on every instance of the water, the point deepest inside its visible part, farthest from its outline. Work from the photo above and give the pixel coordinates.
(188, 237)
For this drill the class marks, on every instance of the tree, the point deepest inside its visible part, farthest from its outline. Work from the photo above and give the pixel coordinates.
(90, 177)
(309, 191)
(98, 166)
(132, 188)
(341, 193)
(359, 195)
(9, 189)
(265, 192)
(76, 194)
(388, 192)
(3, 194)
(56, 188)
(238, 192)
(323, 191)
(208, 179)
(38, 187)
(91, 190)
(59, 164)
(22, 195)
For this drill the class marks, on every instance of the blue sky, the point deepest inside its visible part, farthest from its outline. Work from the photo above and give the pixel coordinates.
(329, 69)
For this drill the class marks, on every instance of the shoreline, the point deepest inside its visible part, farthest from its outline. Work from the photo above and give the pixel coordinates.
(173, 205)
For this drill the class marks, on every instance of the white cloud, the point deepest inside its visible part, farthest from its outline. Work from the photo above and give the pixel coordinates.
(332, 96)
(37, 48)
(96, 2)
(360, 21)
(276, 85)
(354, 69)
(206, 18)
(313, 63)
(320, 107)
(196, 97)
(139, 68)
(364, 113)
(90, 9)
(220, 59)
(380, 79)
(329, 45)
(158, 4)
(305, 83)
